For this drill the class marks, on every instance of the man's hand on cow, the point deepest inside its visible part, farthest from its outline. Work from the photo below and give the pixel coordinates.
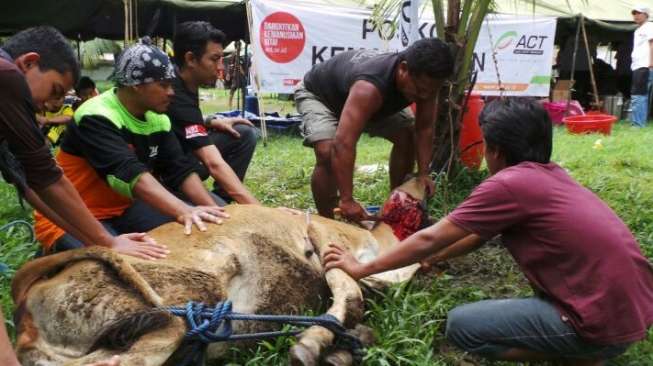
(428, 183)
(198, 215)
(113, 361)
(338, 257)
(352, 210)
(227, 125)
(139, 245)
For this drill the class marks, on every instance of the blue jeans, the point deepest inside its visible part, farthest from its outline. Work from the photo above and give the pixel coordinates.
(641, 88)
(490, 328)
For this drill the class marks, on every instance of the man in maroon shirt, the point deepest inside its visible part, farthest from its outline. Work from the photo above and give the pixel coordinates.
(594, 288)
(37, 65)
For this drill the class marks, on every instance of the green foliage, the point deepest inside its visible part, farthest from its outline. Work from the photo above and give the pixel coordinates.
(408, 320)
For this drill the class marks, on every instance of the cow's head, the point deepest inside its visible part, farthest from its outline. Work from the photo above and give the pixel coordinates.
(403, 214)
(405, 210)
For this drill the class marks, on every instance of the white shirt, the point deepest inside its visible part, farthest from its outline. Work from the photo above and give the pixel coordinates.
(641, 48)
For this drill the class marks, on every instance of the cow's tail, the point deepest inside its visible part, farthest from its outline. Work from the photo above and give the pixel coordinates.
(41, 267)
(121, 334)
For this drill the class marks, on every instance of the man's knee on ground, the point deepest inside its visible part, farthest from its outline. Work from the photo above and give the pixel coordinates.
(465, 331)
(456, 331)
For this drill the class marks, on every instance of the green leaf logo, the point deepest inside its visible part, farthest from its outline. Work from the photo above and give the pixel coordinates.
(505, 40)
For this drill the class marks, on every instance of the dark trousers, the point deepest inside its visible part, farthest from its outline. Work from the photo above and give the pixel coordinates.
(138, 218)
(237, 152)
(490, 328)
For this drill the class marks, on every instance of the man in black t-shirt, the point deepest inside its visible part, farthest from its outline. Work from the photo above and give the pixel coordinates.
(224, 146)
(366, 90)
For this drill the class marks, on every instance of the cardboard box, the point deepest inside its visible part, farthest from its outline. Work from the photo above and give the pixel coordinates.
(560, 92)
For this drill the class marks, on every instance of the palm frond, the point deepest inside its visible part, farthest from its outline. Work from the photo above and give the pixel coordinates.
(92, 51)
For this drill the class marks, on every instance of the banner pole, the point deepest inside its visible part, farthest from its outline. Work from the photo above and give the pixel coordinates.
(259, 99)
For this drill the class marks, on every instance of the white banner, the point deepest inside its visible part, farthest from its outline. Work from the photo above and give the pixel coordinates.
(288, 38)
(524, 55)
(409, 22)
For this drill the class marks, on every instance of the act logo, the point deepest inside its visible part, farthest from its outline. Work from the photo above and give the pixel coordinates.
(526, 44)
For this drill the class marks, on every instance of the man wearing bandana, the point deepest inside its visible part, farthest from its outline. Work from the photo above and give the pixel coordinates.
(119, 151)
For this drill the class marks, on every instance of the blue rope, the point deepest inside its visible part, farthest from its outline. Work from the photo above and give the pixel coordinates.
(8, 226)
(213, 324)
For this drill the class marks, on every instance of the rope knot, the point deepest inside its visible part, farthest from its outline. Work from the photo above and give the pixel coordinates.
(207, 324)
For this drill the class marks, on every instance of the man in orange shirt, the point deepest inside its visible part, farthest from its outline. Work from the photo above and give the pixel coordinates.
(120, 149)
(37, 65)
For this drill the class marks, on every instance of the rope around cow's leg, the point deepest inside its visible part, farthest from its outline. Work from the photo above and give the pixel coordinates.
(213, 324)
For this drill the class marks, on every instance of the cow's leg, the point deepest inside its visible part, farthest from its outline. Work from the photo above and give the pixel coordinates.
(152, 349)
(347, 307)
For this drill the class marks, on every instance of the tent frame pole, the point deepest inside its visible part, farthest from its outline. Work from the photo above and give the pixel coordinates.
(573, 67)
(264, 129)
(597, 103)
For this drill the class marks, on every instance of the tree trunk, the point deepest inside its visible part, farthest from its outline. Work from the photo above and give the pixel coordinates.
(463, 27)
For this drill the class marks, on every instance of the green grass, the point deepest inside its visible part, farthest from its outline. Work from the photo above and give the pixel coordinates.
(408, 320)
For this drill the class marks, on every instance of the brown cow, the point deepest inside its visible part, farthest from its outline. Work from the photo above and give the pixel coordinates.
(89, 304)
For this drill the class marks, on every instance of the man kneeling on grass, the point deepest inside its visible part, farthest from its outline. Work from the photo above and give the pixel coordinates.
(594, 288)
(117, 147)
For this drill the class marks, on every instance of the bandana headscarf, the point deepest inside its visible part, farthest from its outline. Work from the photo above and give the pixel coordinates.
(143, 63)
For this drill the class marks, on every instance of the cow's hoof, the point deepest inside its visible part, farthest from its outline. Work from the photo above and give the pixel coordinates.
(300, 355)
(365, 334)
(339, 358)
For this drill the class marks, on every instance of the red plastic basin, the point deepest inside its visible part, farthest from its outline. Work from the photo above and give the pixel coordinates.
(590, 123)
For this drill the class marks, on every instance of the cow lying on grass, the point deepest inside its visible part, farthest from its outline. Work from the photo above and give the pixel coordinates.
(86, 305)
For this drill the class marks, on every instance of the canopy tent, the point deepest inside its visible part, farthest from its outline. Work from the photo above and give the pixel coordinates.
(606, 10)
(87, 19)
(608, 20)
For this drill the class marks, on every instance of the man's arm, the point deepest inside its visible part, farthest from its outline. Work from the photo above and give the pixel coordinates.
(56, 120)
(425, 118)
(196, 192)
(63, 199)
(415, 248)
(148, 189)
(650, 57)
(223, 174)
(363, 101)
(178, 171)
(460, 248)
(108, 153)
(40, 206)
